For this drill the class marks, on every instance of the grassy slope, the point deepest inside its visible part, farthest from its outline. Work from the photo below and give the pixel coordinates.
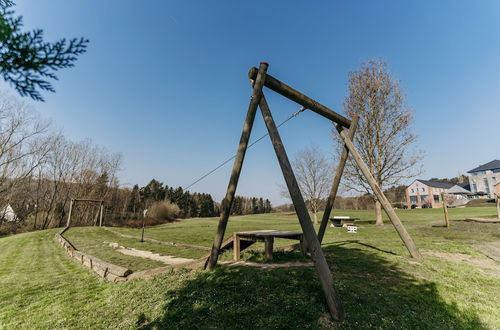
(381, 287)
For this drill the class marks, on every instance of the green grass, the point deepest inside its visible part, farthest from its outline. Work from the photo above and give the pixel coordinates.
(40, 287)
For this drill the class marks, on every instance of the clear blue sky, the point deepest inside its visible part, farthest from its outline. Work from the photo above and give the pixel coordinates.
(164, 82)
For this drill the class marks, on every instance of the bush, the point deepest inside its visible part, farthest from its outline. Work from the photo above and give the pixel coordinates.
(164, 210)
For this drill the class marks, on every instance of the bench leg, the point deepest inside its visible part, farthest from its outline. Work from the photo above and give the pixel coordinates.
(269, 248)
(303, 246)
(236, 247)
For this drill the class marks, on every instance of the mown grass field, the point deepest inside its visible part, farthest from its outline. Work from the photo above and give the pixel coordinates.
(382, 287)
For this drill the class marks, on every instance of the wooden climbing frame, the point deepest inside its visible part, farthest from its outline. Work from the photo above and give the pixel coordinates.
(89, 200)
(346, 129)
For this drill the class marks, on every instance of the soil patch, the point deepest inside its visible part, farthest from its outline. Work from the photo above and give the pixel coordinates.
(461, 258)
(491, 250)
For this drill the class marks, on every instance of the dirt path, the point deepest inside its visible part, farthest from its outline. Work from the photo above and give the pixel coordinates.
(491, 250)
(168, 260)
(484, 263)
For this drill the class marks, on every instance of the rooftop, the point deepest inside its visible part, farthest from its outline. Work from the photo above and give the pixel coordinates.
(494, 164)
(436, 184)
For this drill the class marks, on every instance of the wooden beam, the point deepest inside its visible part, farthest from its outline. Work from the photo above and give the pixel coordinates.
(268, 247)
(236, 247)
(445, 209)
(336, 181)
(238, 163)
(405, 237)
(296, 96)
(325, 276)
(100, 216)
(69, 213)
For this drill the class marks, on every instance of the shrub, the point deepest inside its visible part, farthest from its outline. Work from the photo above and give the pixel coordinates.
(164, 210)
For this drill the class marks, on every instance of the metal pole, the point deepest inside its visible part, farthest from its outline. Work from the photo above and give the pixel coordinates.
(336, 181)
(238, 163)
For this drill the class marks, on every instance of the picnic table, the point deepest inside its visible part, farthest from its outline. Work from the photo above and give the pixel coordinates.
(266, 236)
(344, 221)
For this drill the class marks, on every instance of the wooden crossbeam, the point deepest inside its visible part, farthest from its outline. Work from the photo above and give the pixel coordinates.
(304, 100)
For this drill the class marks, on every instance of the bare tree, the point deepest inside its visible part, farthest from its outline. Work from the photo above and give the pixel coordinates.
(383, 138)
(313, 172)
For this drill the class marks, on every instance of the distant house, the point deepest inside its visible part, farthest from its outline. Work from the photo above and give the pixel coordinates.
(483, 179)
(424, 193)
(7, 214)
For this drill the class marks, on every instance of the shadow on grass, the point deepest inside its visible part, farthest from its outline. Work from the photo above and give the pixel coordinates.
(375, 292)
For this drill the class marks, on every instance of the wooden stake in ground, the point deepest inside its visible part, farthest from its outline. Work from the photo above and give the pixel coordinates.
(101, 211)
(69, 213)
(445, 209)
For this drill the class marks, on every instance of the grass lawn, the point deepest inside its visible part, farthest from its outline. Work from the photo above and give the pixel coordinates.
(381, 286)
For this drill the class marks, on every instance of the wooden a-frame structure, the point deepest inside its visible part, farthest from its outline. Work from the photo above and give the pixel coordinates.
(346, 129)
(88, 200)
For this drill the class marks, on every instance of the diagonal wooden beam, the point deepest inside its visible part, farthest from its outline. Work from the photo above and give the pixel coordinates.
(304, 100)
(336, 181)
(405, 237)
(325, 276)
(227, 202)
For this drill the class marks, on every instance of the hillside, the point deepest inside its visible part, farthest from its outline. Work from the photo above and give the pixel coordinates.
(455, 287)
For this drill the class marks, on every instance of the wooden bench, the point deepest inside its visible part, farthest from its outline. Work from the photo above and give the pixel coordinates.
(266, 236)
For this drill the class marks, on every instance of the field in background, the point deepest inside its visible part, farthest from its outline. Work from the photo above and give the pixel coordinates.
(455, 287)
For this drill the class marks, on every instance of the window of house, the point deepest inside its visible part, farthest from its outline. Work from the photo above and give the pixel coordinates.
(474, 188)
(412, 190)
(413, 199)
(436, 198)
(486, 185)
(423, 189)
(496, 170)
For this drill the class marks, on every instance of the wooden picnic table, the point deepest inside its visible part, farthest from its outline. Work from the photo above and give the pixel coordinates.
(266, 236)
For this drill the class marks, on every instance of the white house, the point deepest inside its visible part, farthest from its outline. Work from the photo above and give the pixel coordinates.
(7, 214)
(483, 178)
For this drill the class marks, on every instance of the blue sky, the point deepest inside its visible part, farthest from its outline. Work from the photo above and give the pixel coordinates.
(164, 82)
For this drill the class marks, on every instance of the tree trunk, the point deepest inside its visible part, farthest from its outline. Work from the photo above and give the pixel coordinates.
(315, 217)
(378, 214)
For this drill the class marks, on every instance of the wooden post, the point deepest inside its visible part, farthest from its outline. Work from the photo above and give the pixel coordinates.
(69, 213)
(238, 163)
(236, 247)
(325, 276)
(336, 182)
(142, 232)
(498, 205)
(445, 208)
(100, 216)
(405, 237)
(268, 247)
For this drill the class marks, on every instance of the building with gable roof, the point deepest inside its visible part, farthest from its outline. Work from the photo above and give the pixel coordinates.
(483, 179)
